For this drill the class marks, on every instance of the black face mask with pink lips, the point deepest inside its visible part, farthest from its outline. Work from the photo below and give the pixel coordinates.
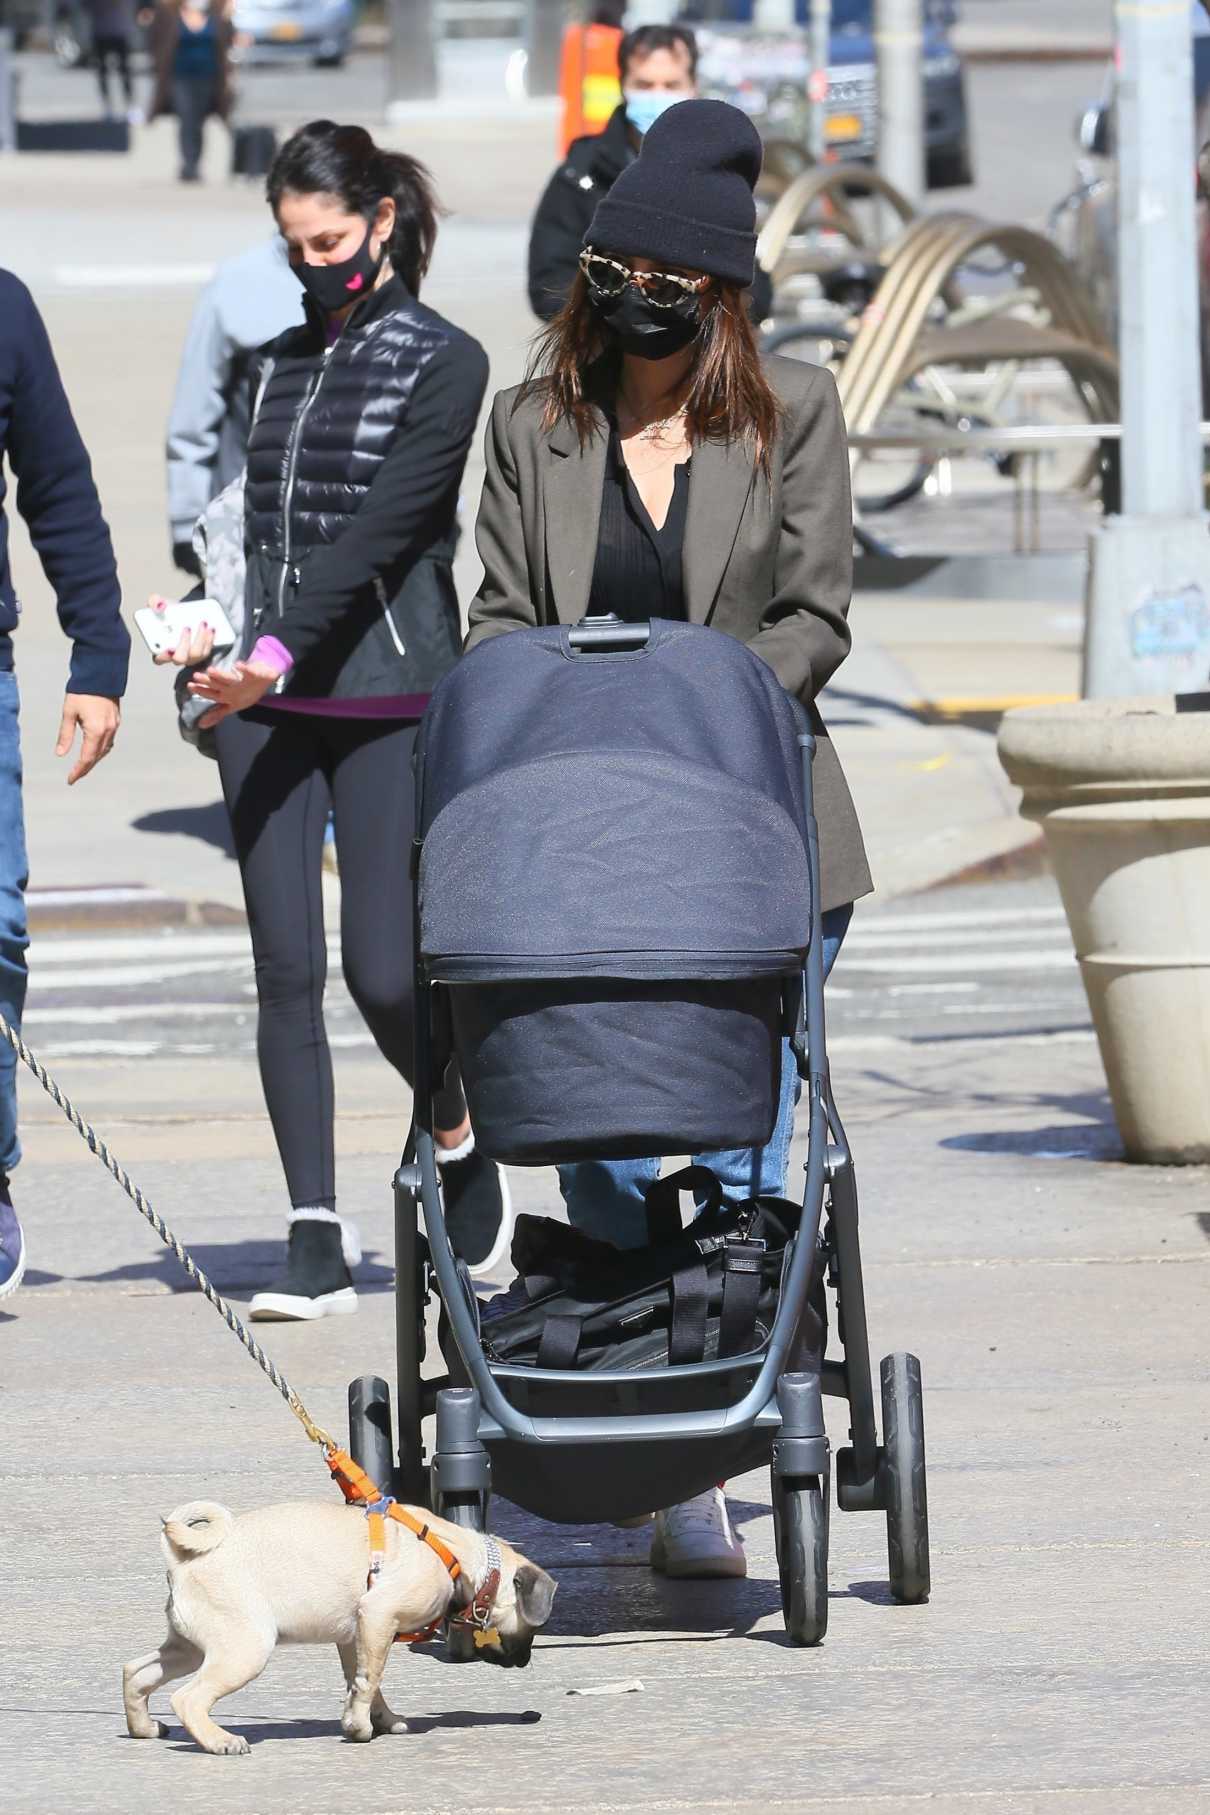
(332, 287)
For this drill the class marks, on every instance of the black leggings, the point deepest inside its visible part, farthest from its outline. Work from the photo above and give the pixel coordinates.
(281, 773)
(113, 48)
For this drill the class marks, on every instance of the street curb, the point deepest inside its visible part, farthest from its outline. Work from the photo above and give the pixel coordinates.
(1021, 863)
(1090, 52)
(121, 906)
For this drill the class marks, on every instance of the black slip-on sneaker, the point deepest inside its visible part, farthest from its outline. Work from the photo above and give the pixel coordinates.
(478, 1210)
(317, 1281)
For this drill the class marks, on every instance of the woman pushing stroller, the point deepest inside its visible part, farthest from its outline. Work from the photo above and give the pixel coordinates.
(653, 465)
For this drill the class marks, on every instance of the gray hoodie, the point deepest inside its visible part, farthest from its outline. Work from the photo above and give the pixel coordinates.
(250, 300)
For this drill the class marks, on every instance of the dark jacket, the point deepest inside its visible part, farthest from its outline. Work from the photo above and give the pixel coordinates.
(767, 560)
(58, 500)
(354, 466)
(568, 204)
(565, 213)
(164, 36)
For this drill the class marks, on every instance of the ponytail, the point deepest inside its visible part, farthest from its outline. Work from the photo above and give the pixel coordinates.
(344, 161)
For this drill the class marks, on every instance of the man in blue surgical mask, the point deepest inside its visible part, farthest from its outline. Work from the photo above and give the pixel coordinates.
(657, 65)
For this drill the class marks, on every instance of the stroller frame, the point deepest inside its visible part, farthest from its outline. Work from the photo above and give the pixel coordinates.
(777, 1414)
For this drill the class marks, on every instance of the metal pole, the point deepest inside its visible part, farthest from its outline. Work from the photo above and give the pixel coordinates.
(8, 90)
(817, 82)
(1157, 262)
(411, 54)
(1148, 627)
(544, 23)
(898, 47)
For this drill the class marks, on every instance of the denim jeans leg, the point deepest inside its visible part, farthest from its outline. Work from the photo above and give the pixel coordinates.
(14, 873)
(762, 1171)
(607, 1199)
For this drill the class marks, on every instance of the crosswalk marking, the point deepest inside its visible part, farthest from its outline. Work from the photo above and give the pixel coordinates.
(189, 992)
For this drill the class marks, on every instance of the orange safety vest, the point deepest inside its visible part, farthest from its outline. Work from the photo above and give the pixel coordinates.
(588, 80)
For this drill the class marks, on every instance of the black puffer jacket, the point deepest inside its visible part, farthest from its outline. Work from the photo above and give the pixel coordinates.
(354, 467)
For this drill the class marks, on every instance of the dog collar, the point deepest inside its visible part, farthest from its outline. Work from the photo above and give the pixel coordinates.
(478, 1612)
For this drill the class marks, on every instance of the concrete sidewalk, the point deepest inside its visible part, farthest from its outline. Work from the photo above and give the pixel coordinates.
(1056, 1298)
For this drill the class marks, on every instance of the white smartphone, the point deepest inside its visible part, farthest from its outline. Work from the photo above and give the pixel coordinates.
(163, 630)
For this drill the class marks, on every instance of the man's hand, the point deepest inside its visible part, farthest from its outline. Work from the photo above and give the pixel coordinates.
(98, 719)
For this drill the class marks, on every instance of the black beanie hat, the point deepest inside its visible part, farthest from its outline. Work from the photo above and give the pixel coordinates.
(687, 198)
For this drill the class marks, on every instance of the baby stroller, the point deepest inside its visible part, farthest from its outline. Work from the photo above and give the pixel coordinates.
(616, 889)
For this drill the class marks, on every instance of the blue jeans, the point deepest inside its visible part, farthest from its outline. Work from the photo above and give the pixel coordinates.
(607, 1198)
(14, 874)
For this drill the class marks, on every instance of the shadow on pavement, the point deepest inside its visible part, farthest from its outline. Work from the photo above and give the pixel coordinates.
(211, 824)
(255, 1731)
(243, 1266)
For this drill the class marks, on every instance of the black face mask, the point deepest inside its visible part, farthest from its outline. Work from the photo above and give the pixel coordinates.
(640, 328)
(333, 286)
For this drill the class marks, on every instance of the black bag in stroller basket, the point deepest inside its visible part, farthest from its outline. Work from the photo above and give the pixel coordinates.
(613, 890)
(702, 1293)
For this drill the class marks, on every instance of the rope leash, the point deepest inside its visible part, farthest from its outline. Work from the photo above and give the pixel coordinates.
(352, 1480)
(212, 1295)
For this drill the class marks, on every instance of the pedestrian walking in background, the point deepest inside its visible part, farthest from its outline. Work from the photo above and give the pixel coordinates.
(58, 500)
(191, 43)
(354, 464)
(113, 28)
(658, 67)
(251, 299)
(654, 465)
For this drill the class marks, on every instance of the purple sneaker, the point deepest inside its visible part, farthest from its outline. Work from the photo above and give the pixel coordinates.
(12, 1243)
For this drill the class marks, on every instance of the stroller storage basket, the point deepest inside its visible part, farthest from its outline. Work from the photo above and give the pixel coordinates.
(613, 892)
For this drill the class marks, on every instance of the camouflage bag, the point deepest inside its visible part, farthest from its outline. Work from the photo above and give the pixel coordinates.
(218, 543)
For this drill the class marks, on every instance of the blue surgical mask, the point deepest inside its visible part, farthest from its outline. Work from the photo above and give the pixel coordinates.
(645, 105)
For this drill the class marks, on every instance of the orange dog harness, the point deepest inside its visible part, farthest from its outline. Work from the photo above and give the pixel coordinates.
(358, 1488)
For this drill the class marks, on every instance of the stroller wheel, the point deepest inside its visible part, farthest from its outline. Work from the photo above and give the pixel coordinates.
(907, 1519)
(370, 1429)
(800, 1533)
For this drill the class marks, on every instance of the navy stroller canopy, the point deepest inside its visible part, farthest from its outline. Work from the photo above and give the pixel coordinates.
(590, 813)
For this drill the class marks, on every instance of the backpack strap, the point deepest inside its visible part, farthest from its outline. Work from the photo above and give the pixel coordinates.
(664, 1201)
(560, 1340)
(743, 1277)
(690, 1309)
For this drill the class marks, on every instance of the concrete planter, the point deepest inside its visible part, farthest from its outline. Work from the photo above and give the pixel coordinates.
(1121, 788)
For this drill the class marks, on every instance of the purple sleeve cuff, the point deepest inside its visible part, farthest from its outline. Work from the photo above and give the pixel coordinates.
(272, 654)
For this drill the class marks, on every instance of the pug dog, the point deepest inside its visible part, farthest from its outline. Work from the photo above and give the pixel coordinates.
(298, 1574)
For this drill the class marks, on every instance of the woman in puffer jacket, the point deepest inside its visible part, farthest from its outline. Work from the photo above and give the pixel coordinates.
(354, 466)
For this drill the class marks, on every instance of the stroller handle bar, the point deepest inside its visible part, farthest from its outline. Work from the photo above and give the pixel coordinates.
(758, 1405)
(608, 631)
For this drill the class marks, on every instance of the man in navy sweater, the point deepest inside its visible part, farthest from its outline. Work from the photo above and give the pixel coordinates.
(58, 500)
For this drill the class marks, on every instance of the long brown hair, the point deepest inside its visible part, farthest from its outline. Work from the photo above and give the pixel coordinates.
(575, 368)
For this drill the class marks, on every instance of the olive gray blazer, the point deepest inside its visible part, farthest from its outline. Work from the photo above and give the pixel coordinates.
(767, 559)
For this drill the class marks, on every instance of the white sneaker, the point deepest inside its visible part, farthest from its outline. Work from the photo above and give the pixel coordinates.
(696, 1539)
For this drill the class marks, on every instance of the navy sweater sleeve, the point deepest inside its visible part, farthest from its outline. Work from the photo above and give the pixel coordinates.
(405, 505)
(58, 500)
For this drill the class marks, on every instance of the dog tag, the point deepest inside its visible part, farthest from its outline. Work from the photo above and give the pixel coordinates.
(486, 1636)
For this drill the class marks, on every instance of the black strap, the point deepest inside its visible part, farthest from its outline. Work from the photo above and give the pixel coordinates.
(664, 1201)
(743, 1276)
(690, 1304)
(560, 1340)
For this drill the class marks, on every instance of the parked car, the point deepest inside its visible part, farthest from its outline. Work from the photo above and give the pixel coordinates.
(766, 72)
(317, 31)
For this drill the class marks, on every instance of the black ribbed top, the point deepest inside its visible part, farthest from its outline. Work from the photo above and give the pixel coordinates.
(637, 573)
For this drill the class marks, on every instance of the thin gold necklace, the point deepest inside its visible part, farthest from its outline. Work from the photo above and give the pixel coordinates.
(653, 432)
